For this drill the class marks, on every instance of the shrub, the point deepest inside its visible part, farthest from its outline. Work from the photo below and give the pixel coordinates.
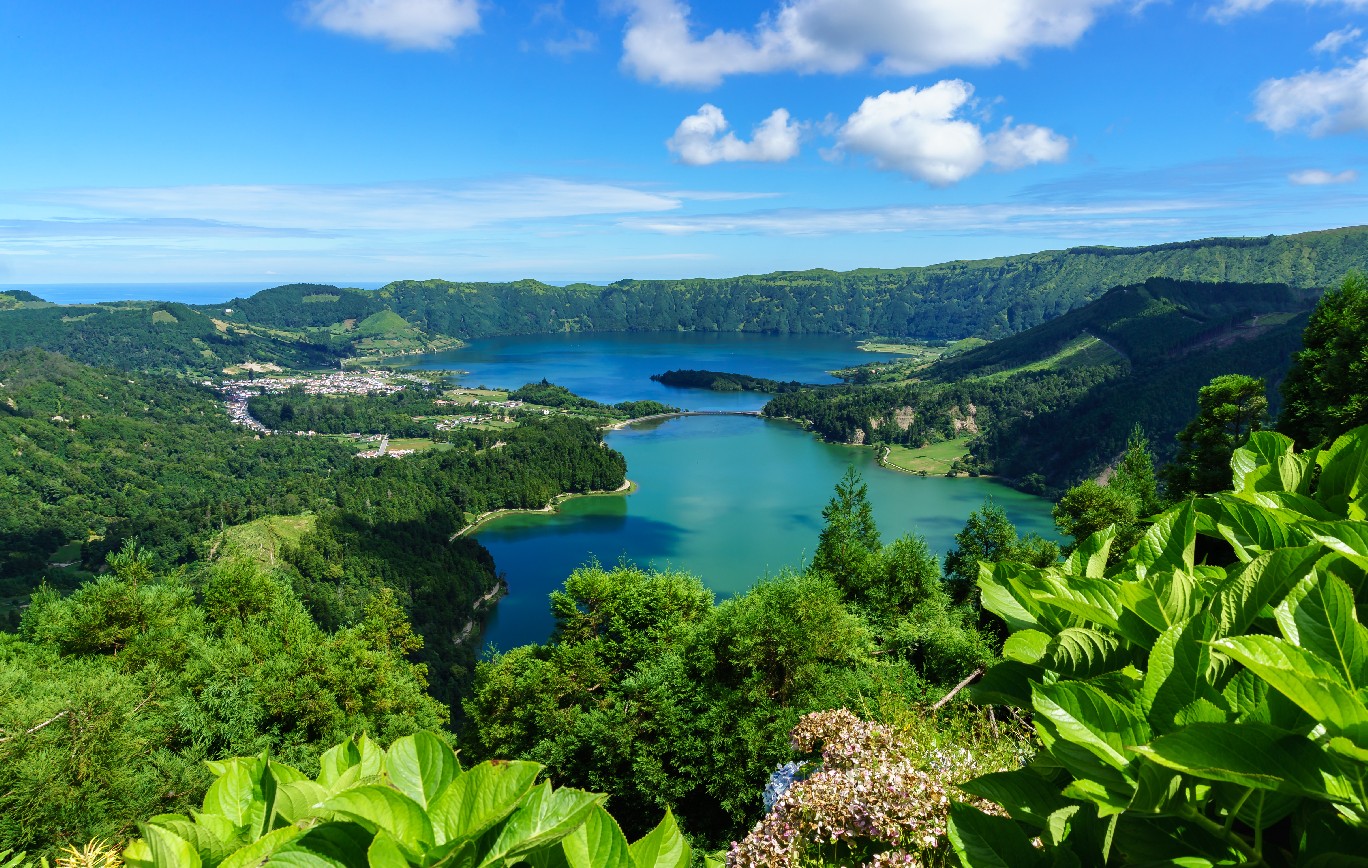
(410, 805)
(1193, 711)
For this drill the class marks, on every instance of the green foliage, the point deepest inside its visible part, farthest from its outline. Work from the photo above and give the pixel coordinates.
(1231, 408)
(1324, 393)
(848, 547)
(719, 381)
(655, 696)
(110, 697)
(1061, 398)
(155, 459)
(1135, 477)
(1124, 504)
(547, 394)
(1194, 711)
(989, 536)
(410, 805)
(392, 414)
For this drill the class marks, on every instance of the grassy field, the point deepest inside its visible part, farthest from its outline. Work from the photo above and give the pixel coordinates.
(417, 444)
(261, 540)
(935, 459)
(465, 396)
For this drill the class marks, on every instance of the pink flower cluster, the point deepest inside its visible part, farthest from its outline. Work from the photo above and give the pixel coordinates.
(866, 798)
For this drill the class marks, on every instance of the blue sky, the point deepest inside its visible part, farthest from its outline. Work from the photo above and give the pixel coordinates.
(371, 140)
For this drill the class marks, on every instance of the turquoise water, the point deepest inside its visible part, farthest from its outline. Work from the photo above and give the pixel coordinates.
(614, 367)
(730, 499)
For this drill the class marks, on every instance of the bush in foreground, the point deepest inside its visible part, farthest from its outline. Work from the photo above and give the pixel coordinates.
(1193, 709)
(410, 805)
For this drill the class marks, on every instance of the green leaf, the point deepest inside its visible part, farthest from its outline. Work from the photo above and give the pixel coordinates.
(1157, 789)
(1309, 681)
(1344, 471)
(334, 845)
(1090, 557)
(385, 852)
(1026, 646)
(237, 793)
(1348, 538)
(1023, 793)
(1319, 616)
(298, 799)
(209, 841)
(982, 841)
(545, 817)
(168, 849)
(479, 798)
(337, 760)
(598, 843)
(372, 761)
(1251, 529)
(1179, 671)
(1246, 695)
(421, 766)
(1001, 594)
(1090, 719)
(1169, 543)
(256, 853)
(1263, 449)
(1252, 755)
(663, 847)
(1093, 600)
(1079, 652)
(1160, 600)
(1262, 582)
(380, 807)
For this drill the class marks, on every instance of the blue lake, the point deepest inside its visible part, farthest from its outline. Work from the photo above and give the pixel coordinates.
(730, 499)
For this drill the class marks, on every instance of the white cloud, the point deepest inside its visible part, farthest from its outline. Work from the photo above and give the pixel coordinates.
(1322, 102)
(903, 36)
(430, 25)
(1231, 9)
(1320, 177)
(1086, 220)
(1335, 40)
(337, 208)
(703, 139)
(920, 133)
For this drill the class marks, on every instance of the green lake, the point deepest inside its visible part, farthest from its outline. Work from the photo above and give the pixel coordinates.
(730, 499)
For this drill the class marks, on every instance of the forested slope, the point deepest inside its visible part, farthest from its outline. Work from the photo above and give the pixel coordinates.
(314, 325)
(98, 457)
(991, 297)
(1059, 399)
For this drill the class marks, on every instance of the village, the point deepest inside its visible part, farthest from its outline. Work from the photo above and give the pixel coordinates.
(236, 393)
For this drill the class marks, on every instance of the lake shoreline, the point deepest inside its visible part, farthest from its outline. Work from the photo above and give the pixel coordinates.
(626, 488)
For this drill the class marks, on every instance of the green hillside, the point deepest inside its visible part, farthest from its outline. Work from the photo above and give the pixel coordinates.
(316, 325)
(1059, 399)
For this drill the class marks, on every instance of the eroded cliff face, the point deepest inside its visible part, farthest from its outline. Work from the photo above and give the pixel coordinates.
(964, 421)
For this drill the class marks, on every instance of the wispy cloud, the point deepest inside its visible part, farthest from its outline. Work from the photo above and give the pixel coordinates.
(1335, 40)
(425, 25)
(939, 219)
(424, 207)
(1321, 178)
(1229, 10)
